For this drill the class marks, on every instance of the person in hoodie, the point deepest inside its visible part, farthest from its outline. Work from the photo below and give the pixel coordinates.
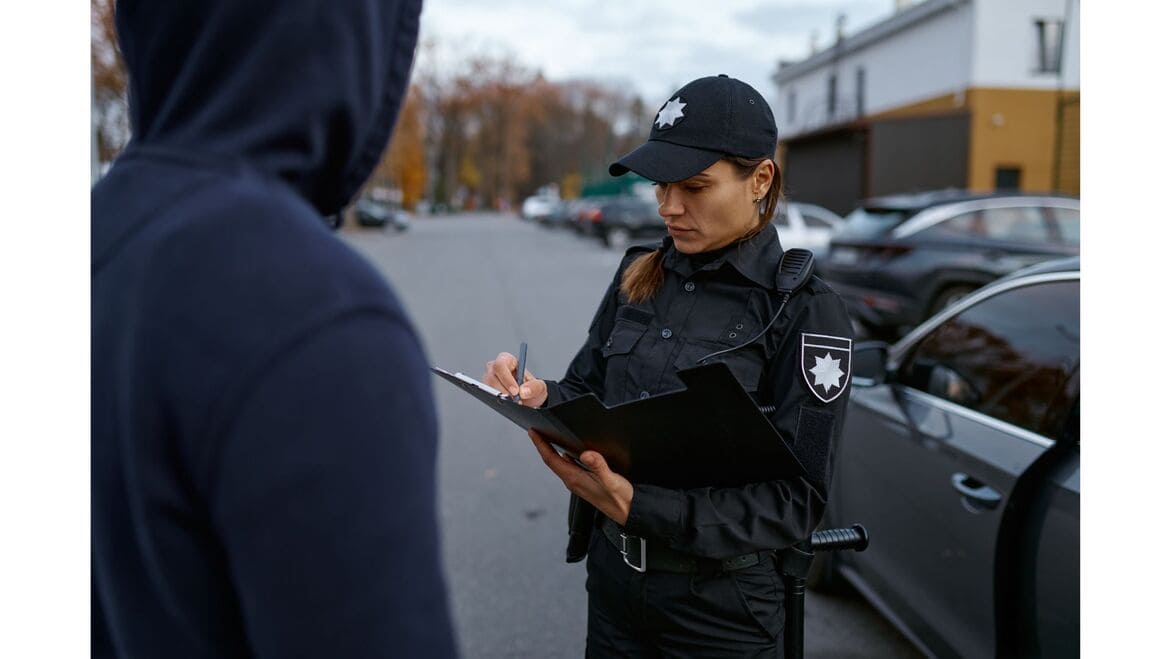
(263, 431)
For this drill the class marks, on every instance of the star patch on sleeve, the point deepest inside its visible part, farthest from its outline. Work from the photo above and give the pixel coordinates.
(825, 364)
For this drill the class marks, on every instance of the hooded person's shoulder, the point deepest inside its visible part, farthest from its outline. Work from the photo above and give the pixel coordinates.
(250, 251)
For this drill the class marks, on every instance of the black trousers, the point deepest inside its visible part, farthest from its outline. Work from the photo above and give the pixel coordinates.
(666, 614)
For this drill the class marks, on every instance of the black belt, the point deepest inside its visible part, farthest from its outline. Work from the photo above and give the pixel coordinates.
(641, 555)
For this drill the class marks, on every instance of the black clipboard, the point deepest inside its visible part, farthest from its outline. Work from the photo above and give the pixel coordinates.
(709, 434)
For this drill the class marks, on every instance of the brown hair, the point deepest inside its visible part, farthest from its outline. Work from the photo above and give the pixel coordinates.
(644, 277)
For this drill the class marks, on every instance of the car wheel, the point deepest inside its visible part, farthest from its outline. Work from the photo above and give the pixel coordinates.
(948, 297)
(617, 237)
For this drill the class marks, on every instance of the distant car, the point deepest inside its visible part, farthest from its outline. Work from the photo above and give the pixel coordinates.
(565, 215)
(806, 226)
(400, 220)
(961, 456)
(371, 213)
(899, 259)
(618, 220)
(539, 208)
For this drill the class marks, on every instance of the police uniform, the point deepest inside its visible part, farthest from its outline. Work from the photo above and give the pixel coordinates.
(711, 586)
(708, 585)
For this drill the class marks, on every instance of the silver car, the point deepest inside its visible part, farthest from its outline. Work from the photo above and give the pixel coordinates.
(961, 456)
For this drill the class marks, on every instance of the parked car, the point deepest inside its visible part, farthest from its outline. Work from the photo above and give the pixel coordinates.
(961, 455)
(371, 213)
(806, 226)
(539, 208)
(617, 220)
(898, 260)
(565, 215)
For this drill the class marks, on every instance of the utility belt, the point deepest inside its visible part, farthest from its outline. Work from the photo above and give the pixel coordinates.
(641, 555)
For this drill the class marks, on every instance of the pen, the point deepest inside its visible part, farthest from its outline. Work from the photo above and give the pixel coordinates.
(520, 369)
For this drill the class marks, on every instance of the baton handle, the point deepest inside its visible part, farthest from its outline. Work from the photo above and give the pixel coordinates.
(854, 538)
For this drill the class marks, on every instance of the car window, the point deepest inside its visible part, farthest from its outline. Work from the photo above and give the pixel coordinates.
(871, 222)
(1017, 224)
(816, 220)
(964, 225)
(1068, 225)
(1011, 356)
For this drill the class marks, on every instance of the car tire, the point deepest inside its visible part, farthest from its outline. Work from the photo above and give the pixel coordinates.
(947, 297)
(617, 237)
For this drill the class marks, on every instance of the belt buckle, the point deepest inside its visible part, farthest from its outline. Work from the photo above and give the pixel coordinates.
(641, 567)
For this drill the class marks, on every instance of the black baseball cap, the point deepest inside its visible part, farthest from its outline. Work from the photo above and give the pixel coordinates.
(705, 120)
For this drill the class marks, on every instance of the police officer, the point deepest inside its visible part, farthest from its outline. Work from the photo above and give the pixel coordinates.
(708, 585)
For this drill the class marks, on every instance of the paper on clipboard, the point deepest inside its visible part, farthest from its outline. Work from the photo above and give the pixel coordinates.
(709, 434)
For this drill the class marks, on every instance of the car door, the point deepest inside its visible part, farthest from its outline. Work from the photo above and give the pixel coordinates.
(819, 227)
(929, 460)
(1022, 235)
(789, 227)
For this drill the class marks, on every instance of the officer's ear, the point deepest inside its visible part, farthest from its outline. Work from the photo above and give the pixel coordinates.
(762, 177)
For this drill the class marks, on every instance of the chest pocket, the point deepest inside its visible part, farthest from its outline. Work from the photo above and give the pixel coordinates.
(747, 363)
(616, 352)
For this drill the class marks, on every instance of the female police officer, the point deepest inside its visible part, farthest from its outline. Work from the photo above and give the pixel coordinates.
(709, 586)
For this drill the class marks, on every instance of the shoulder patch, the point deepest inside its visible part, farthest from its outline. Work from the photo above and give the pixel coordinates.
(825, 364)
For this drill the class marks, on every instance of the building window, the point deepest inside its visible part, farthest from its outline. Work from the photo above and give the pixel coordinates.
(1008, 178)
(832, 96)
(860, 91)
(792, 110)
(1049, 36)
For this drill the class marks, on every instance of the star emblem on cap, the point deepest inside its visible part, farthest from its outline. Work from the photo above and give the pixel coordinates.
(671, 112)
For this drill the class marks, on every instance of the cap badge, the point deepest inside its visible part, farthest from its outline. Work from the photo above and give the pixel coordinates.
(671, 113)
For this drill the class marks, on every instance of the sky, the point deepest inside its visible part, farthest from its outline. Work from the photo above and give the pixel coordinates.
(653, 46)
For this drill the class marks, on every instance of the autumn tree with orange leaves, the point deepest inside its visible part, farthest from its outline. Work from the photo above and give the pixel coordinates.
(485, 135)
(498, 131)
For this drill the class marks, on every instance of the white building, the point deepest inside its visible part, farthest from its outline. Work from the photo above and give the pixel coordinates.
(977, 94)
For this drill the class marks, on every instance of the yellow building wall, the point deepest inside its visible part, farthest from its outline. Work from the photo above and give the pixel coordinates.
(944, 104)
(1069, 155)
(1018, 128)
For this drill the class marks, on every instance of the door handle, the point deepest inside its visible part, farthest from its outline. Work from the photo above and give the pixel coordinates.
(977, 497)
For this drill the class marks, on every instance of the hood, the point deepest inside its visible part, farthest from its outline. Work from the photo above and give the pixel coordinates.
(303, 90)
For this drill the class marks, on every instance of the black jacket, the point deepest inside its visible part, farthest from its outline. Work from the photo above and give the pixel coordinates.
(263, 431)
(710, 302)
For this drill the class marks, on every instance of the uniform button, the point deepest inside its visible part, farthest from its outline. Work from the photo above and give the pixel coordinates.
(689, 286)
(609, 342)
(666, 334)
(644, 395)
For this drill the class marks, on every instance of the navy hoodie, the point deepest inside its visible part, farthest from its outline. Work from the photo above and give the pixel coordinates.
(263, 429)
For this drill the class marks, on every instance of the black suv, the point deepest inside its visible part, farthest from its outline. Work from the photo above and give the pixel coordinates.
(616, 220)
(898, 260)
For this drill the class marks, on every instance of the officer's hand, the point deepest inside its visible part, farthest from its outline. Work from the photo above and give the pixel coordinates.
(609, 492)
(501, 375)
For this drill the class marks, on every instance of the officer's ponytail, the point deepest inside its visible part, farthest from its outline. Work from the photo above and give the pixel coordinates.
(644, 276)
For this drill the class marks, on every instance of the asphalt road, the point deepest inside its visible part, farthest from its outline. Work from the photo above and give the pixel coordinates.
(476, 285)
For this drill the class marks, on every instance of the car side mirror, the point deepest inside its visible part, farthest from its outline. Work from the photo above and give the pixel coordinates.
(869, 363)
